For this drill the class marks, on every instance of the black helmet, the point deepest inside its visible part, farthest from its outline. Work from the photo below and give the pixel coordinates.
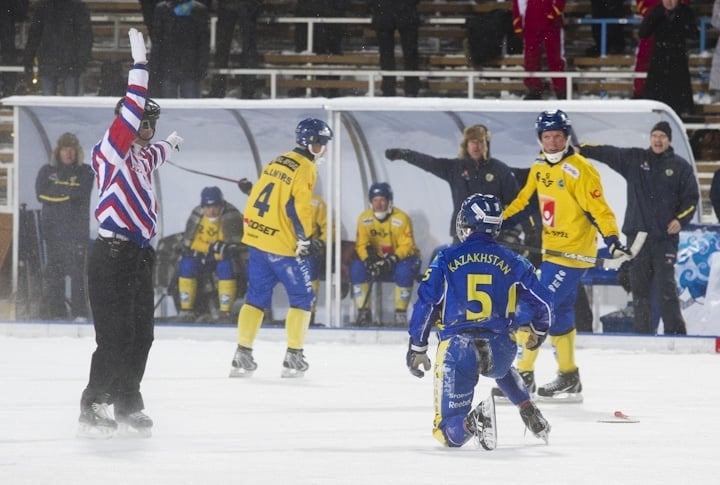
(151, 113)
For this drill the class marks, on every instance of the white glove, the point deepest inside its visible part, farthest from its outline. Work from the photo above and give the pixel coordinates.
(302, 248)
(174, 140)
(137, 46)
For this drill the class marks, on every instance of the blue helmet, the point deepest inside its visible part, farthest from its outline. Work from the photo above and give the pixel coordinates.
(479, 213)
(312, 130)
(380, 189)
(553, 120)
(211, 196)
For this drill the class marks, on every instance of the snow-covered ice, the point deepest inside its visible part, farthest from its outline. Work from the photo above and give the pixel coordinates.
(358, 417)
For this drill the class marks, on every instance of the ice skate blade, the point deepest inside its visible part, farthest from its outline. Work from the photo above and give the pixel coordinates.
(543, 435)
(488, 436)
(239, 372)
(125, 431)
(563, 397)
(291, 373)
(88, 432)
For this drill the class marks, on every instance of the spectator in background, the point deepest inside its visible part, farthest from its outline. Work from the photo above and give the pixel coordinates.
(615, 33)
(60, 35)
(212, 245)
(714, 85)
(147, 7)
(327, 38)
(668, 80)
(386, 251)
(387, 17)
(540, 24)
(662, 197)
(181, 47)
(11, 12)
(243, 14)
(63, 187)
(644, 48)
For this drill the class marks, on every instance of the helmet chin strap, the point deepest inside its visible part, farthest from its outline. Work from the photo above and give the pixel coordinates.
(553, 158)
(317, 155)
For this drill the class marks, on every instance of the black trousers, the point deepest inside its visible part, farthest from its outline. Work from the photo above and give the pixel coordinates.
(656, 263)
(64, 257)
(121, 298)
(409, 43)
(245, 17)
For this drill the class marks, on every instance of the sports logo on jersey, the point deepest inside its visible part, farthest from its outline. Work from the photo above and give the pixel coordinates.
(544, 179)
(570, 170)
(595, 193)
(547, 211)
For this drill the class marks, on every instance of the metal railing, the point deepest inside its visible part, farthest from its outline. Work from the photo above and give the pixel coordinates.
(120, 20)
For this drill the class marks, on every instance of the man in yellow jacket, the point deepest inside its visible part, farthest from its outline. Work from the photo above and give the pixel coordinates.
(573, 209)
(278, 220)
(386, 251)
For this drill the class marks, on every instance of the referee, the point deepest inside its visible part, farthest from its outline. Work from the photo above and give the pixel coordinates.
(121, 261)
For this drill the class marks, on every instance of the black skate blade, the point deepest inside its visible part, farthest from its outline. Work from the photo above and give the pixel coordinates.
(239, 372)
(88, 432)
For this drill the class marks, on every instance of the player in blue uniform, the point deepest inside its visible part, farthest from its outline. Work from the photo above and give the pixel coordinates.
(472, 289)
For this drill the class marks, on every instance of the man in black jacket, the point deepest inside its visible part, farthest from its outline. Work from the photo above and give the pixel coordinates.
(662, 196)
(473, 171)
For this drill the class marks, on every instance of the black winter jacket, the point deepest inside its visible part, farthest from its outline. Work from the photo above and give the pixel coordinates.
(181, 44)
(466, 177)
(660, 188)
(61, 37)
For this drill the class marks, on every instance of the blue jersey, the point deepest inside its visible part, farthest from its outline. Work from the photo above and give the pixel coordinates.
(476, 286)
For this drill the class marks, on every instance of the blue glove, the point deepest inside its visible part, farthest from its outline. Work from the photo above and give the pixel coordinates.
(616, 248)
(417, 356)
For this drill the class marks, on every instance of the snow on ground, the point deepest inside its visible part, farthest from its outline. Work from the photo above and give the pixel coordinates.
(358, 417)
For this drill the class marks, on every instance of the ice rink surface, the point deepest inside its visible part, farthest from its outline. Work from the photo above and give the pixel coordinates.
(358, 417)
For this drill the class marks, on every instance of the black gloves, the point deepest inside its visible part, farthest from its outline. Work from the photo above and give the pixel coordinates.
(417, 356)
(245, 186)
(616, 248)
(316, 246)
(220, 248)
(376, 266)
(536, 338)
(397, 153)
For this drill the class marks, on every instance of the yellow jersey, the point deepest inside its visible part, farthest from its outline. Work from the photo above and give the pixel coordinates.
(570, 194)
(394, 235)
(279, 209)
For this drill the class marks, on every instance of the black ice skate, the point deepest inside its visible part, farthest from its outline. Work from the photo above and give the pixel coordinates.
(294, 364)
(134, 425)
(535, 421)
(481, 423)
(243, 364)
(95, 421)
(528, 378)
(565, 388)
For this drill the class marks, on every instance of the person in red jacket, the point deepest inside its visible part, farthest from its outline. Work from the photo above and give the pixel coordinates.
(540, 24)
(644, 49)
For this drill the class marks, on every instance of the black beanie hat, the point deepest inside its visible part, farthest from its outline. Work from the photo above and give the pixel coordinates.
(663, 126)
